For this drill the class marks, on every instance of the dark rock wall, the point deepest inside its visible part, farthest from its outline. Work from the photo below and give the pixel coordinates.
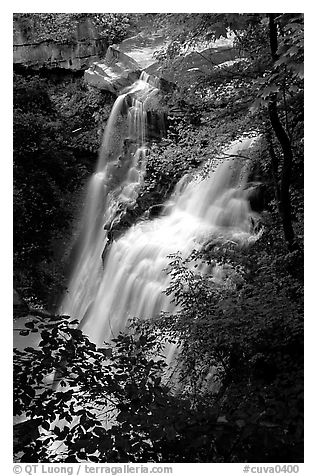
(75, 55)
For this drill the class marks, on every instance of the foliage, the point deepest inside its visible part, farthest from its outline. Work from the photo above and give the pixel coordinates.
(66, 27)
(51, 162)
(120, 386)
(237, 390)
(238, 394)
(264, 75)
(84, 111)
(247, 331)
(112, 26)
(195, 136)
(285, 77)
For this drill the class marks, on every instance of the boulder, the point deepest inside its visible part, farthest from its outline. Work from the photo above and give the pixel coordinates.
(195, 64)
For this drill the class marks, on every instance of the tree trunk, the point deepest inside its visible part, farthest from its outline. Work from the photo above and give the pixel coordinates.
(274, 165)
(283, 139)
(284, 195)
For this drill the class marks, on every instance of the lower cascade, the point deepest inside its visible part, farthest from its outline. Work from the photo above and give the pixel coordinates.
(129, 279)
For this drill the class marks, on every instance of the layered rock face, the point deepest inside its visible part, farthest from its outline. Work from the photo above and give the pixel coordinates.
(124, 62)
(116, 72)
(78, 54)
(79, 47)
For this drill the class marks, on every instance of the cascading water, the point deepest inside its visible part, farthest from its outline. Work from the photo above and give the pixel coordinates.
(113, 186)
(133, 278)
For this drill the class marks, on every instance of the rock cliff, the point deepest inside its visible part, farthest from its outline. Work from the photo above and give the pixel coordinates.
(124, 62)
(77, 53)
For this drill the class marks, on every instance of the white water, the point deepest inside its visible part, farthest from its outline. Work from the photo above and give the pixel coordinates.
(113, 187)
(133, 278)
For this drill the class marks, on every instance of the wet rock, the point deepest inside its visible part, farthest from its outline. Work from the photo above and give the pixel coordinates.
(20, 308)
(156, 125)
(115, 73)
(256, 194)
(157, 210)
(187, 68)
(24, 433)
(124, 62)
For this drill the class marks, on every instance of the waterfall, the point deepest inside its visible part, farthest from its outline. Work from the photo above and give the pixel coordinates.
(112, 188)
(132, 279)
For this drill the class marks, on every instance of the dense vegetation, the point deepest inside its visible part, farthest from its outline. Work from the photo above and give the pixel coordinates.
(244, 336)
(57, 131)
(64, 27)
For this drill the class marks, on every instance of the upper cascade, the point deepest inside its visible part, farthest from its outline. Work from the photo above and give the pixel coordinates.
(112, 189)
